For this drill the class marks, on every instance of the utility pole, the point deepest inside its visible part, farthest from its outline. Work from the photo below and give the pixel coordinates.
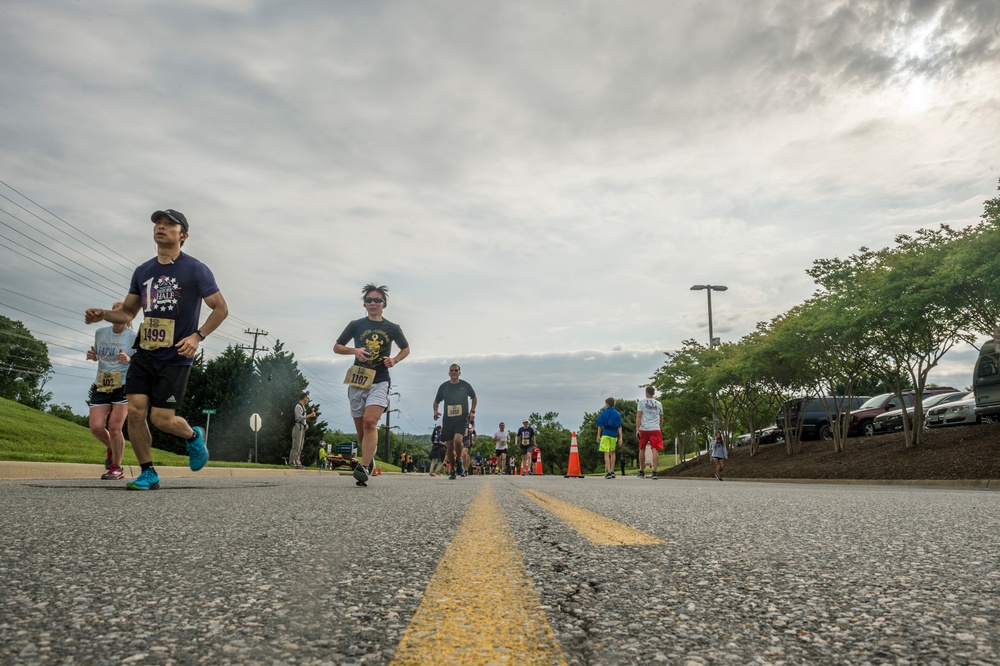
(256, 333)
(388, 417)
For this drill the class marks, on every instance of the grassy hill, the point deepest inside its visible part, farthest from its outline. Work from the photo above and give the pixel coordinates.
(30, 435)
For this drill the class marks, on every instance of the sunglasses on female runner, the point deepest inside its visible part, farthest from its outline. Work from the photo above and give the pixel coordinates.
(374, 300)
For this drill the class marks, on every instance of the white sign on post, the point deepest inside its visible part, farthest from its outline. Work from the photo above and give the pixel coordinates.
(255, 426)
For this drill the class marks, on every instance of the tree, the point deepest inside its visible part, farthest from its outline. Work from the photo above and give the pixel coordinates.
(972, 274)
(221, 384)
(65, 412)
(685, 395)
(553, 441)
(749, 398)
(902, 298)
(826, 338)
(24, 365)
(236, 388)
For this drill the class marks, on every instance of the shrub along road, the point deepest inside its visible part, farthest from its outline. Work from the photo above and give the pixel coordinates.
(946, 454)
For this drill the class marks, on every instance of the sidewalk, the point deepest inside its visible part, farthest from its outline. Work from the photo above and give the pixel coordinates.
(42, 470)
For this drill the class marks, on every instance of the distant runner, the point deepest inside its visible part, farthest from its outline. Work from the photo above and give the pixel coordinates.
(500, 441)
(649, 422)
(468, 442)
(720, 452)
(526, 440)
(455, 394)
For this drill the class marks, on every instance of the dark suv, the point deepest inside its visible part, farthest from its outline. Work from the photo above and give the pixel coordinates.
(862, 420)
(810, 417)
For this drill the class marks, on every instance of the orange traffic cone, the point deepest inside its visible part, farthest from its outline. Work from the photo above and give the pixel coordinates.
(573, 470)
(538, 464)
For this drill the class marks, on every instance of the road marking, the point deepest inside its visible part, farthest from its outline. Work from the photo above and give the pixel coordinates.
(469, 614)
(595, 527)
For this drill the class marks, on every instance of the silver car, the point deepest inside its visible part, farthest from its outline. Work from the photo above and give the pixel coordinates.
(962, 412)
(893, 421)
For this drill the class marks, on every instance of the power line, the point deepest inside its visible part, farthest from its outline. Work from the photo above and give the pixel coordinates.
(79, 275)
(51, 238)
(126, 265)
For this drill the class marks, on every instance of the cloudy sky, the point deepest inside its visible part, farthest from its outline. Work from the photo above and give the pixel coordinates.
(539, 184)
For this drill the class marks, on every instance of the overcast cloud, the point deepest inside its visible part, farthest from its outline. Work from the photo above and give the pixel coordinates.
(539, 184)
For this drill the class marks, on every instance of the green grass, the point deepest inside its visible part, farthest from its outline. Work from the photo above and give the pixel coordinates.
(30, 435)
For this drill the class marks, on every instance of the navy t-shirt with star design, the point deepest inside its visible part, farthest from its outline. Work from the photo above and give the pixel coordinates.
(173, 291)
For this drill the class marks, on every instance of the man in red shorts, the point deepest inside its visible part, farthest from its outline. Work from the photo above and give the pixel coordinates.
(649, 420)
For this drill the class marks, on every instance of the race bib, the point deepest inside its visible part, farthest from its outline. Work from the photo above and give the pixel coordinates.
(360, 377)
(454, 410)
(156, 333)
(108, 382)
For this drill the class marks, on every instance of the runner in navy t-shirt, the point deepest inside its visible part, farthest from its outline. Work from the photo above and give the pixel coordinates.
(169, 289)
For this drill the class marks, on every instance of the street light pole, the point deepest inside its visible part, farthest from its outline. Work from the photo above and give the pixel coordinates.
(709, 288)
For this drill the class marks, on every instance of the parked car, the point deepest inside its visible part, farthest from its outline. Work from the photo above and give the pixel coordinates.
(893, 421)
(769, 435)
(986, 381)
(810, 417)
(958, 413)
(742, 440)
(863, 419)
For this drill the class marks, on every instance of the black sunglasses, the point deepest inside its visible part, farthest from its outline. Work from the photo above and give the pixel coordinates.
(374, 300)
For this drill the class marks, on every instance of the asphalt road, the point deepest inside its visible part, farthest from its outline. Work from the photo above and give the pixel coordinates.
(314, 570)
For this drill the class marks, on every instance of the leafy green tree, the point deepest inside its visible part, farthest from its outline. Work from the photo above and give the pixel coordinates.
(682, 382)
(826, 338)
(748, 400)
(553, 441)
(24, 365)
(591, 459)
(237, 387)
(274, 393)
(65, 412)
(972, 274)
(903, 300)
(222, 384)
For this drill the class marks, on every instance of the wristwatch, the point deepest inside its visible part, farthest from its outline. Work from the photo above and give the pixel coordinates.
(200, 335)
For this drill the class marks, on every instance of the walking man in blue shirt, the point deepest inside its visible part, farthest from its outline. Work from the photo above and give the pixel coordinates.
(609, 435)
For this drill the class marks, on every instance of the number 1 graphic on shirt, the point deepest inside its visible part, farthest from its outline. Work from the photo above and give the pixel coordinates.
(149, 293)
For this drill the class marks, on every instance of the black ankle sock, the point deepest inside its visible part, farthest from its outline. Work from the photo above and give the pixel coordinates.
(145, 466)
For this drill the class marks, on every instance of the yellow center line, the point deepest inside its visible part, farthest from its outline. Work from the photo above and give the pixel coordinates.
(595, 527)
(470, 613)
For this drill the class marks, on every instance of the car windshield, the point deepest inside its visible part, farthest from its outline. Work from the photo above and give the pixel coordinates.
(932, 400)
(875, 402)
